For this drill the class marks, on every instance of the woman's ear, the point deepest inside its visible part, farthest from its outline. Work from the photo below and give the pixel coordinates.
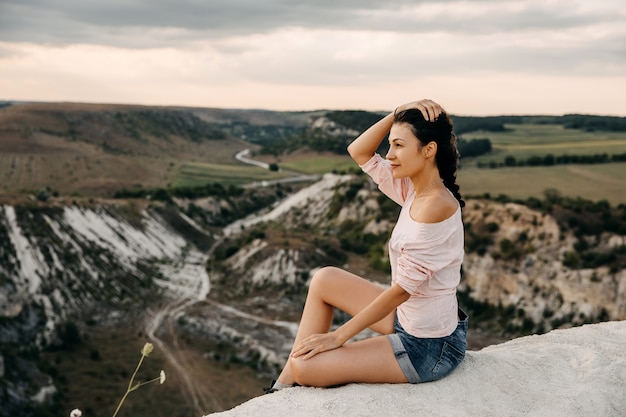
(431, 149)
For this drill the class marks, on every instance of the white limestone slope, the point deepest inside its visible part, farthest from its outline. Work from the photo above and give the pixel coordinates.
(316, 195)
(99, 241)
(578, 372)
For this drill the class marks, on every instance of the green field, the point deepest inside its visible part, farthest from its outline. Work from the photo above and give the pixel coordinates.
(525, 140)
(321, 164)
(593, 182)
(194, 174)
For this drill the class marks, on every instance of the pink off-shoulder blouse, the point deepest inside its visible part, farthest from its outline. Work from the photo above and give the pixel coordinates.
(425, 259)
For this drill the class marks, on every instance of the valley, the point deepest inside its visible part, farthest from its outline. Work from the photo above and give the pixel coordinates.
(215, 274)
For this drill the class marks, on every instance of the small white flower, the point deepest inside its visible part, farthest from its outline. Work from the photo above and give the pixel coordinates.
(76, 413)
(161, 377)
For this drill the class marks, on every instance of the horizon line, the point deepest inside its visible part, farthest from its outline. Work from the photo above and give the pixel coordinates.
(268, 109)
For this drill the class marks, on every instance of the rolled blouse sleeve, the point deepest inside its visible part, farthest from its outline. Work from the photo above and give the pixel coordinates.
(380, 171)
(424, 250)
(418, 260)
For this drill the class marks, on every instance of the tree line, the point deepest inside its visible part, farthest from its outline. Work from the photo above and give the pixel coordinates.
(474, 147)
(466, 124)
(321, 140)
(550, 160)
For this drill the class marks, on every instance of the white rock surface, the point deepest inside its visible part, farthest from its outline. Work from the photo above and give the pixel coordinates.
(566, 373)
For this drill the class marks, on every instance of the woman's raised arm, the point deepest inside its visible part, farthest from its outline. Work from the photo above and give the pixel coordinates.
(363, 148)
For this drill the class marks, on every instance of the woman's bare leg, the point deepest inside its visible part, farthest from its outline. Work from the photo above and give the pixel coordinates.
(366, 361)
(333, 287)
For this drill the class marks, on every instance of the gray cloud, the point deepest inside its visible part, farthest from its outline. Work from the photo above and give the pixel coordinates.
(63, 21)
(433, 38)
(153, 23)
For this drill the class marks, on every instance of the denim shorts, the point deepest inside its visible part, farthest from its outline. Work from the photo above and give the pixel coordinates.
(429, 359)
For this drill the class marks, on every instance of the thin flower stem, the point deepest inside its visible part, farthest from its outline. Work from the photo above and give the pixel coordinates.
(130, 385)
(120, 404)
(141, 384)
(147, 349)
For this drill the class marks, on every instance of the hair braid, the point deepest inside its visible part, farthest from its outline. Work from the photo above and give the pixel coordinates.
(447, 160)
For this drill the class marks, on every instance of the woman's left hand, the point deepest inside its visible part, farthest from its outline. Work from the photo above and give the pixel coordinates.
(316, 343)
(430, 109)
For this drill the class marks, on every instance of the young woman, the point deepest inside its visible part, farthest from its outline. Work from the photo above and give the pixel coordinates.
(423, 332)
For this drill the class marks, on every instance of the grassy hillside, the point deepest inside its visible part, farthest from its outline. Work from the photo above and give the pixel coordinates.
(95, 150)
(594, 182)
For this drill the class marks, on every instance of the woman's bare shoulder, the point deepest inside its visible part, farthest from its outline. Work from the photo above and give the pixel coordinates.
(434, 208)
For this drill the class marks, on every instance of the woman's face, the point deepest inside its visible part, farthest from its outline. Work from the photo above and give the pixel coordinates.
(405, 152)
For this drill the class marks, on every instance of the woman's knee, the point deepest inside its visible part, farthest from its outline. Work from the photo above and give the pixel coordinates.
(302, 372)
(322, 276)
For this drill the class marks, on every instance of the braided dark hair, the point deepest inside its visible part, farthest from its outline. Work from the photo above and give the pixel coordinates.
(440, 132)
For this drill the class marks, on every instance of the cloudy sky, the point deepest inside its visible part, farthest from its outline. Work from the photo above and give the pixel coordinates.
(476, 57)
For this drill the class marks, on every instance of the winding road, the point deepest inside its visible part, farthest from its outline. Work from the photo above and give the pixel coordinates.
(189, 283)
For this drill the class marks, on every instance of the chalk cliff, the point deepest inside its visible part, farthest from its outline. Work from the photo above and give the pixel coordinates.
(574, 372)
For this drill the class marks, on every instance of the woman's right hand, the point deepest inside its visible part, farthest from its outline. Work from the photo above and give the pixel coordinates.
(430, 109)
